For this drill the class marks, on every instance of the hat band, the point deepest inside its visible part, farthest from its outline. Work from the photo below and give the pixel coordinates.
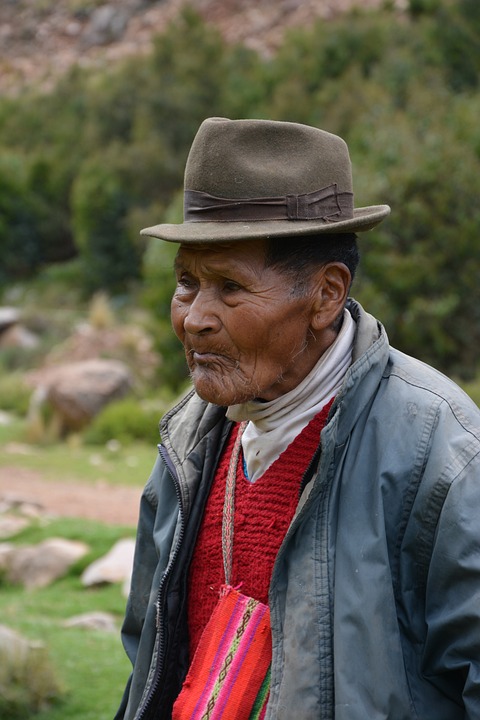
(326, 204)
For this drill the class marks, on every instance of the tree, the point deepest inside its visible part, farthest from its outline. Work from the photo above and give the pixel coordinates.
(100, 201)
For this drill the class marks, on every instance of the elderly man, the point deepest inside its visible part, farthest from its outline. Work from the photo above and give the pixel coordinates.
(309, 539)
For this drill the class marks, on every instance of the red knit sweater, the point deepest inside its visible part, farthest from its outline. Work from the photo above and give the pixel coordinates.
(263, 512)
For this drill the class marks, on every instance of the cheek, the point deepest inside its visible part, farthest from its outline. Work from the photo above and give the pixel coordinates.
(177, 316)
(281, 341)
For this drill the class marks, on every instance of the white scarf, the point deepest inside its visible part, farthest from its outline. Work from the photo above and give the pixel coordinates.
(273, 425)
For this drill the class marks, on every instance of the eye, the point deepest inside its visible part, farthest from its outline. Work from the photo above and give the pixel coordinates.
(185, 282)
(230, 286)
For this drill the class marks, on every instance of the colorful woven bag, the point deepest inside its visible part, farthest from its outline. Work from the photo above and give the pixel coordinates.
(229, 677)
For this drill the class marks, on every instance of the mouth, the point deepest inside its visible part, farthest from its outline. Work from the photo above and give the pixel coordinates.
(205, 358)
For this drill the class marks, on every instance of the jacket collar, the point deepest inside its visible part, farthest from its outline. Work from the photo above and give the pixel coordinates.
(369, 360)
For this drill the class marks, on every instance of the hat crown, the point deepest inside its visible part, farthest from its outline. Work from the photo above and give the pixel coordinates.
(257, 179)
(263, 158)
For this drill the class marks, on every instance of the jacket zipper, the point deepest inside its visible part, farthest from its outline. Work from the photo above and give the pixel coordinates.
(142, 712)
(314, 470)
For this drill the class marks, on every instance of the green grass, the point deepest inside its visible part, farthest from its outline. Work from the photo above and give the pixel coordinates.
(90, 665)
(128, 465)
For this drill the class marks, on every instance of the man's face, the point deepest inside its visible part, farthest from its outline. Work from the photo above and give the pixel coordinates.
(246, 334)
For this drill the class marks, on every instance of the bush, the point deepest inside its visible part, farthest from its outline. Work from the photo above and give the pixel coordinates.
(18, 226)
(126, 420)
(14, 394)
(158, 290)
(100, 207)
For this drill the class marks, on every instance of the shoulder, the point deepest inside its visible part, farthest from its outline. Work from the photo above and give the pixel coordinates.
(429, 389)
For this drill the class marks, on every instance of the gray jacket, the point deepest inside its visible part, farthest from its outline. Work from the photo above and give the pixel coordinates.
(375, 592)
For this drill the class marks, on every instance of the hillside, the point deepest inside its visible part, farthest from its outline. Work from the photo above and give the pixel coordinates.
(40, 39)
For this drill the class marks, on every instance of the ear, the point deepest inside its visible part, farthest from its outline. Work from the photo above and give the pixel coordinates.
(331, 283)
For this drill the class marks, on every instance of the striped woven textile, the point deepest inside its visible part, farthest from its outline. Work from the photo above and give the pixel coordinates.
(229, 676)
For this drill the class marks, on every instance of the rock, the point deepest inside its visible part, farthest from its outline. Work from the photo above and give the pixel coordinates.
(28, 682)
(20, 505)
(11, 525)
(18, 336)
(35, 566)
(12, 333)
(78, 391)
(14, 648)
(115, 566)
(93, 621)
(107, 25)
(126, 585)
(5, 418)
(5, 551)
(8, 316)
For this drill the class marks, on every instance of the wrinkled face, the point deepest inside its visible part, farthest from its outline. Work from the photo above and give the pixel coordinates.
(246, 334)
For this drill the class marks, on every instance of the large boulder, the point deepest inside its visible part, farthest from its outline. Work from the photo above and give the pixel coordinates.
(114, 567)
(78, 391)
(35, 566)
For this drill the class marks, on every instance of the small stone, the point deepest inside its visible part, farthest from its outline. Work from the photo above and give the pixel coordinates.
(92, 621)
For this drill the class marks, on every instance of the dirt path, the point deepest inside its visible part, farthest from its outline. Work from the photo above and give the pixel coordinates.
(112, 505)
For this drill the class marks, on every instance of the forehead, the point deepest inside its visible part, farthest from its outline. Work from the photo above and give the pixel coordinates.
(222, 255)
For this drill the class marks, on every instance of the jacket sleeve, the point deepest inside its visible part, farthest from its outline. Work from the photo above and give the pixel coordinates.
(452, 649)
(156, 528)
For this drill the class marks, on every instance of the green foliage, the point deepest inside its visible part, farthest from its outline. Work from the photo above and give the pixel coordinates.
(17, 222)
(14, 394)
(159, 286)
(422, 7)
(456, 30)
(124, 421)
(187, 64)
(419, 268)
(100, 206)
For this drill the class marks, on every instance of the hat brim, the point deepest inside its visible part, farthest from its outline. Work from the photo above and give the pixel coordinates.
(363, 219)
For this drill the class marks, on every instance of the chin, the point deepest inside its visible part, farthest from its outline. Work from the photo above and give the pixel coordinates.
(213, 397)
(218, 394)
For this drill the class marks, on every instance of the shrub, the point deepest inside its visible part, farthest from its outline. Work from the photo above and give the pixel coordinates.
(14, 394)
(157, 294)
(101, 315)
(126, 420)
(18, 228)
(100, 206)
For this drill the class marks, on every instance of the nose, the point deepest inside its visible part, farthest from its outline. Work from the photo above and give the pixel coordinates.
(201, 316)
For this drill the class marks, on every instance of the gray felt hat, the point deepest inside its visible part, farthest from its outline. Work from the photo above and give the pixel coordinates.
(249, 179)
